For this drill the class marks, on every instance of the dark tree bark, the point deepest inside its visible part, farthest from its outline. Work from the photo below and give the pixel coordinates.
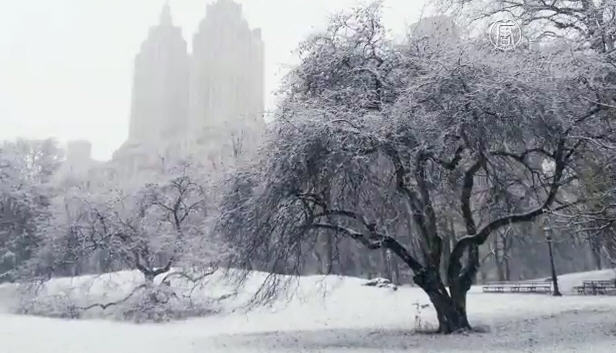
(450, 308)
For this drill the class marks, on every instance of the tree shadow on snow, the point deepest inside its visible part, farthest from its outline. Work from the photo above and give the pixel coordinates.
(321, 339)
(574, 330)
(333, 339)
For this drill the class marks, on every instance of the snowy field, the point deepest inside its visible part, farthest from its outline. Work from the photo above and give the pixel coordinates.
(349, 318)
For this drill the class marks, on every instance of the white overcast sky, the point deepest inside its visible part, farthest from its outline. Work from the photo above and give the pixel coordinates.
(66, 65)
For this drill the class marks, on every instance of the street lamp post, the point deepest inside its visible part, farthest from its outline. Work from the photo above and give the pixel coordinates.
(548, 238)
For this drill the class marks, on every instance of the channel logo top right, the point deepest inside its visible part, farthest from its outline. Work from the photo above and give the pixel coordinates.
(505, 35)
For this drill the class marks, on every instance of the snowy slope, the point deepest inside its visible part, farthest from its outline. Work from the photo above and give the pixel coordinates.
(350, 318)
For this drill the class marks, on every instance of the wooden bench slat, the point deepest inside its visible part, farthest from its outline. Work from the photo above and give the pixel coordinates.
(518, 287)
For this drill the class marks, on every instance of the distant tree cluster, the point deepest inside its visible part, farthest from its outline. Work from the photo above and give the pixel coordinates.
(26, 193)
(49, 228)
(149, 229)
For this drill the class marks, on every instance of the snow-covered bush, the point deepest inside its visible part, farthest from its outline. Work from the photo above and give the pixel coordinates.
(160, 303)
(120, 296)
(57, 306)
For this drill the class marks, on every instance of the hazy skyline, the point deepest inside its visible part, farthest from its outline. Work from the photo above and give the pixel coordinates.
(66, 66)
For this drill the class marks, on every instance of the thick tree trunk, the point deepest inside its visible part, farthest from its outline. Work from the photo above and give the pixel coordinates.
(450, 309)
(451, 317)
(149, 277)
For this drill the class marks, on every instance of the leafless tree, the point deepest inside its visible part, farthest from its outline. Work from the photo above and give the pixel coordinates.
(370, 131)
(153, 229)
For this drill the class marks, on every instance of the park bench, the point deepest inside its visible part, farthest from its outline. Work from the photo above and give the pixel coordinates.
(597, 287)
(517, 287)
(495, 287)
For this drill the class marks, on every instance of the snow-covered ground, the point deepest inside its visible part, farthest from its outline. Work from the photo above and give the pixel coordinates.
(349, 318)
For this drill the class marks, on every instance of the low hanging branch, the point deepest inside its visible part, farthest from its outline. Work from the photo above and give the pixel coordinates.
(189, 277)
(375, 241)
(118, 302)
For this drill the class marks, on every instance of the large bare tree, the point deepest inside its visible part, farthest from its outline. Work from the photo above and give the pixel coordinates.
(384, 143)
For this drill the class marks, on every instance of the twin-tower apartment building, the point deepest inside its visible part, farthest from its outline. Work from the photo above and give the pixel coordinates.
(206, 104)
